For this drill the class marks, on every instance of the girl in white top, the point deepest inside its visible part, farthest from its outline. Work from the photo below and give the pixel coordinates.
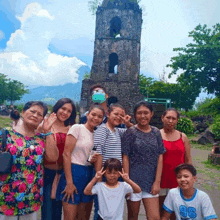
(77, 170)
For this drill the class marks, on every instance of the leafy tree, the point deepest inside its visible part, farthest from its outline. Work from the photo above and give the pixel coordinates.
(199, 60)
(145, 84)
(3, 88)
(93, 5)
(11, 90)
(209, 106)
(15, 90)
(182, 94)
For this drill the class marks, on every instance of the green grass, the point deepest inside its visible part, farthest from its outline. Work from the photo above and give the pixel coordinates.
(210, 165)
(201, 147)
(5, 122)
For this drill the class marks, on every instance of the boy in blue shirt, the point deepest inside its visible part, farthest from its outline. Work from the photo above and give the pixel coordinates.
(186, 201)
(111, 194)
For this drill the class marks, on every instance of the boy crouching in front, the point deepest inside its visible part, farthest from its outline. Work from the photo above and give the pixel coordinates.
(186, 201)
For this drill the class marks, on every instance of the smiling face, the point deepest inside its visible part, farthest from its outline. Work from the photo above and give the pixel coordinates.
(112, 176)
(185, 179)
(114, 117)
(33, 116)
(143, 115)
(170, 120)
(95, 117)
(64, 112)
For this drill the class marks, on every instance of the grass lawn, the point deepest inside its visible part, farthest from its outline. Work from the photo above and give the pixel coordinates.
(5, 121)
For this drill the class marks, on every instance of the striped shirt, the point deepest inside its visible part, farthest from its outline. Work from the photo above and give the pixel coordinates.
(108, 143)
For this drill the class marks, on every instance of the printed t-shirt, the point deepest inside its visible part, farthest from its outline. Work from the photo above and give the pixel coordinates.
(108, 143)
(111, 200)
(143, 150)
(198, 207)
(83, 145)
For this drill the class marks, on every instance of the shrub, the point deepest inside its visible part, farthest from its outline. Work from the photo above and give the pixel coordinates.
(209, 106)
(185, 125)
(216, 127)
(193, 113)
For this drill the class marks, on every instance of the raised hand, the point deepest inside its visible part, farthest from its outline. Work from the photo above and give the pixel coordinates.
(124, 175)
(127, 119)
(48, 122)
(100, 173)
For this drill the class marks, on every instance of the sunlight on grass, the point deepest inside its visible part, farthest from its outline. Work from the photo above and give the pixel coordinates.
(5, 122)
(210, 165)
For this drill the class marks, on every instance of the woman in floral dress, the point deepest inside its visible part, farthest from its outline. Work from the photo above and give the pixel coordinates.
(21, 191)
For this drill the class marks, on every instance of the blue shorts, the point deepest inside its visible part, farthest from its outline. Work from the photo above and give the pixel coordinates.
(81, 175)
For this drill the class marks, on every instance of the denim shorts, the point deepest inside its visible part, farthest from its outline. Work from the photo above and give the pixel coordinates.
(81, 175)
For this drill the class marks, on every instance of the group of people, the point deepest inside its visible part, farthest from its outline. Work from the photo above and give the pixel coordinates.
(106, 159)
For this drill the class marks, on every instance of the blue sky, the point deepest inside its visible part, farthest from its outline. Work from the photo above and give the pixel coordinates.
(44, 42)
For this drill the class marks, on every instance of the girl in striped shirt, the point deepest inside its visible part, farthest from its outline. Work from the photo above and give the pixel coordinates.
(107, 138)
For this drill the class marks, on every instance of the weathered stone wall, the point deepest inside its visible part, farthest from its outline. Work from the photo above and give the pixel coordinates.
(124, 84)
(128, 52)
(127, 93)
(131, 23)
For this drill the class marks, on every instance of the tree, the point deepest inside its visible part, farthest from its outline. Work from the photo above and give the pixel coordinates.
(182, 94)
(3, 88)
(200, 60)
(145, 84)
(11, 90)
(15, 90)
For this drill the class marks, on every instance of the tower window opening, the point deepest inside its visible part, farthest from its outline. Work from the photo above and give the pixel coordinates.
(113, 63)
(115, 27)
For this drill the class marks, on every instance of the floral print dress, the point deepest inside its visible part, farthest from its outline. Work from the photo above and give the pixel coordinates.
(21, 191)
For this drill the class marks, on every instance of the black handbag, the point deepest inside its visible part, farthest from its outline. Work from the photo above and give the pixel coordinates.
(6, 159)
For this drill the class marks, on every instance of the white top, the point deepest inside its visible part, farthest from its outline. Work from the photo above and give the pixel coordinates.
(198, 207)
(111, 200)
(83, 145)
(108, 143)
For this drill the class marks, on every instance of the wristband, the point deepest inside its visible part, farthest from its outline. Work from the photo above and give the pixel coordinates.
(47, 134)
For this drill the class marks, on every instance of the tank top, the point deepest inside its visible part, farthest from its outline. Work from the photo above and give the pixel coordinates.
(60, 140)
(174, 156)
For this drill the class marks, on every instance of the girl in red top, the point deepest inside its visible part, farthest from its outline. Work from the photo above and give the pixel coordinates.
(66, 114)
(177, 152)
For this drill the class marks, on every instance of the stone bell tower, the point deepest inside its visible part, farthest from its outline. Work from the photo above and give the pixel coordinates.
(116, 60)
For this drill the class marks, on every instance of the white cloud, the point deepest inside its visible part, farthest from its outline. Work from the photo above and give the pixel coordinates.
(27, 58)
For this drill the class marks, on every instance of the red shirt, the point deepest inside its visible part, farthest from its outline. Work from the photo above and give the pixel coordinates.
(174, 156)
(60, 139)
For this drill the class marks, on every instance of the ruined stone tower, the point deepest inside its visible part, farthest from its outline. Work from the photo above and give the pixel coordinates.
(116, 60)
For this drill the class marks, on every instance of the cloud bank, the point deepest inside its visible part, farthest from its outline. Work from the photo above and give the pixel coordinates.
(27, 58)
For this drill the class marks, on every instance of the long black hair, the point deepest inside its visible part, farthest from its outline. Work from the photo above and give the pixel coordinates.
(60, 103)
